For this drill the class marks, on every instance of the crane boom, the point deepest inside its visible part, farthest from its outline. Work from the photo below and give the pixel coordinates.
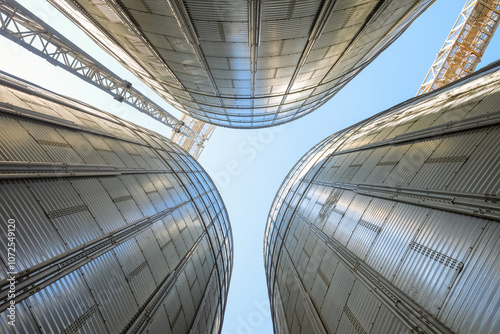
(24, 28)
(465, 45)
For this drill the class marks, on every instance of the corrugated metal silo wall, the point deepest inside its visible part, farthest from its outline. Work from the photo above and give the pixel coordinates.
(244, 64)
(116, 228)
(393, 223)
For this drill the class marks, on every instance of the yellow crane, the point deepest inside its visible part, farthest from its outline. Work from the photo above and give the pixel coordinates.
(203, 130)
(465, 45)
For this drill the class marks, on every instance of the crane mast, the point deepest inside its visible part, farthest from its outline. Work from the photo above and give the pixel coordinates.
(203, 130)
(465, 45)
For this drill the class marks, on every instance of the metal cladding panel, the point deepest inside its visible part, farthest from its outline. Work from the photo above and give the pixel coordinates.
(46, 192)
(138, 275)
(179, 48)
(180, 226)
(338, 292)
(306, 326)
(208, 314)
(17, 144)
(308, 204)
(100, 242)
(33, 102)
(122, 199)
(82, 147)
(172, 307)
(395, 153)
(395, 236)
(125, 157)
(412, 165)
(151, 141)
(55, 145)
(195, 281)
(369, 227)
(58, 317)
(351, 218)
(170, 222)
(478, 288)
(97, 142)
(179, 322)
(314, 269)
(423, 246)
(113, 294)
(209, 260)
(154, 196)
(99, 204)
(166, 189)
(308, 265)
(480, 171)
(361, 306)
(129, 256)
(148, 157)
(387, 322)
(289, 295)
(487, 102)
(286, 29)
(104, 150)
(346, 326)
(151, 249)
(437, 255)
(112, 158)
(89, 122)
(187, 237)
(196, 229)
(77, 229)
(379, 173)
(133, 151)
(112, 127)
(25, 323)
(328, 265)
(367, 158)
(138, 194)
(447, 159)
(10, 96)
(379, 135)
(202, 275)
(337, 213)
(69, 215)
(298, 252)
(35, 232)
(196, 294)
(159, 323)
(149, 183)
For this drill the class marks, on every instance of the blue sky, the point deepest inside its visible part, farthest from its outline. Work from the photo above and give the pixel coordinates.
(248, 166)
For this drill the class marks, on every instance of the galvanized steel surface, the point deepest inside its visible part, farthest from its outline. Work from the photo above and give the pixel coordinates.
(113, 223)
(244, 64)
(392, 224)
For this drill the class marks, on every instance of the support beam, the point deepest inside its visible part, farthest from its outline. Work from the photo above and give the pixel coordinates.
(476, 205)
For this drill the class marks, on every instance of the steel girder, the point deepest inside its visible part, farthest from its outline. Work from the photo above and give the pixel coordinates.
(22, 27)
